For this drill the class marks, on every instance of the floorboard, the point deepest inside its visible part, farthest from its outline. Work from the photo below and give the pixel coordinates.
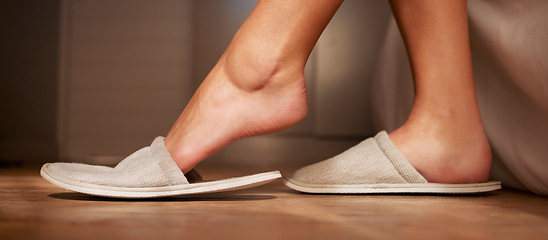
(31, 208)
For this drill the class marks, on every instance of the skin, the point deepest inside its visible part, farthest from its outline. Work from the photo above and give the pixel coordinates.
(257, 87)
(443, 137)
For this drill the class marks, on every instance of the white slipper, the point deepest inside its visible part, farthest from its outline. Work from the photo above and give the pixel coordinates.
(373, 166)
(148, 173)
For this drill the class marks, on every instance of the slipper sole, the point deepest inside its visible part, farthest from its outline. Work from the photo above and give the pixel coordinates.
(426, 188)
(230, 184)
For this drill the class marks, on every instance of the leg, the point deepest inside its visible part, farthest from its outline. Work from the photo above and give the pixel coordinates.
(443, 137)
(257, 86)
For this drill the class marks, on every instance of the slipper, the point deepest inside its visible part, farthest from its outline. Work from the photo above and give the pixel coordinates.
(147, 173)
(373, 166)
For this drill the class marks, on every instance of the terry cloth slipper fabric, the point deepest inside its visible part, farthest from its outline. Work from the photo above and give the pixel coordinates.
(373, 166)
(147, 173)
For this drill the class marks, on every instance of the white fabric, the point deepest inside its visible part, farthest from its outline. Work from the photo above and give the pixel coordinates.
(373, 161)
(150, 166)
(510, 53)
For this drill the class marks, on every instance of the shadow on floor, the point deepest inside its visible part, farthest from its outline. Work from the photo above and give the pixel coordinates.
(194, 198)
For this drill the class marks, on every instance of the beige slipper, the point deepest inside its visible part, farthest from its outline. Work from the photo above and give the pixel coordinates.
(373, 166)
(147, 173)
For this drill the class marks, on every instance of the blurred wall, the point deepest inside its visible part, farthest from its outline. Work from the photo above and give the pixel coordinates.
(125, 74)
(28, 80)
(347, 56)
(126, 69)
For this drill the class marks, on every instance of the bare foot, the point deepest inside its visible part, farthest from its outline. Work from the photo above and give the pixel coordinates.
(236, 100)
(257, 86)
(445, 148)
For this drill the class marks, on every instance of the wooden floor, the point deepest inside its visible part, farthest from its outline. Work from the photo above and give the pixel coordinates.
(31, 208)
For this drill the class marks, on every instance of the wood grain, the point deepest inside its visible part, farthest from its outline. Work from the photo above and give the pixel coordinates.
(31, 208)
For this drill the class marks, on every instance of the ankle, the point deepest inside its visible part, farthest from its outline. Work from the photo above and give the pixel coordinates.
(444, 151)
(461, 160)
(253, 71)
(278, 80)
(239, 98)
